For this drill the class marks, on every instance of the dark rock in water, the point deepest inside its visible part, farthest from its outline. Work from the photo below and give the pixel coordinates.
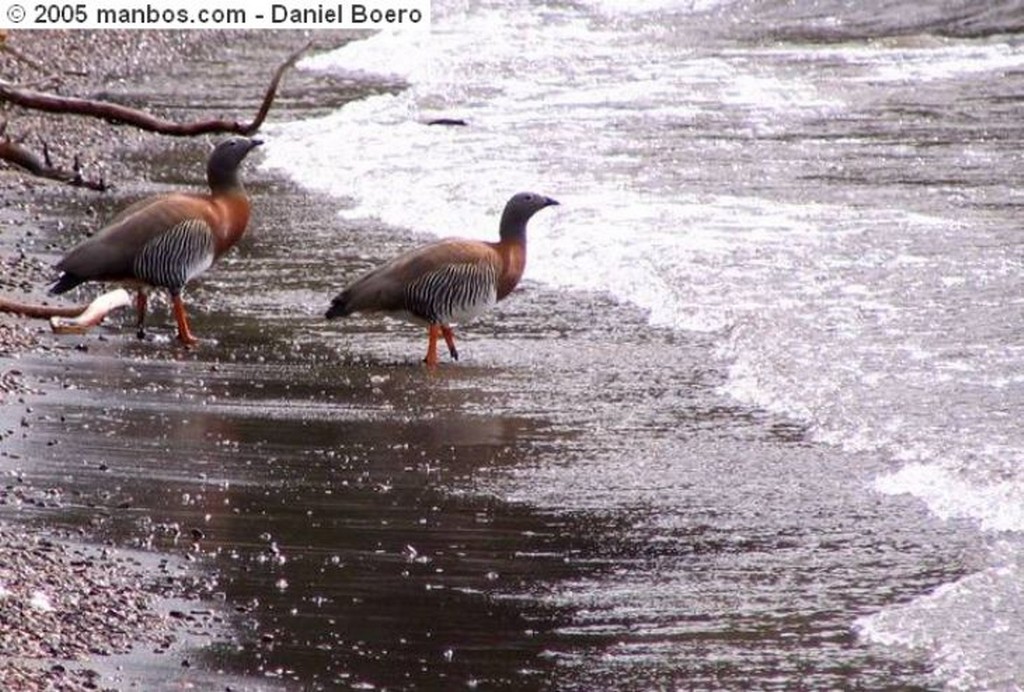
(451, 122)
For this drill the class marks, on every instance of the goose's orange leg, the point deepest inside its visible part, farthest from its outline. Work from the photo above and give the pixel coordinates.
(141, 301)
(185, 335)
(449, 338)
(431, 359)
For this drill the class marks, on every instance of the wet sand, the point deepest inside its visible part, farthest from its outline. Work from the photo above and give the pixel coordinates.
(356, 520)
(76, 613)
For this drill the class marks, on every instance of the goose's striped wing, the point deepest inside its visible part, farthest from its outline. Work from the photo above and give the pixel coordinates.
(452, 293)
(111, 253)
(445, 277)
(172, 258)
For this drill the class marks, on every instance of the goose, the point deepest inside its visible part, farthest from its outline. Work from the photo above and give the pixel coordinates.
(449, 281)
(167, 240)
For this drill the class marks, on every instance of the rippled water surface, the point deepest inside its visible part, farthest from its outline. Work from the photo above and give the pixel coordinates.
(750, 422)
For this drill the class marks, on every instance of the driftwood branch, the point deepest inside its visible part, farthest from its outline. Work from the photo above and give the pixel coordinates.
(118, 114)
(37, 311)
(17, 154)
(71, 320)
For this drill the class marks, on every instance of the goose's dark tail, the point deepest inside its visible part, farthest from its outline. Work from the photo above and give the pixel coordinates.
(340, 306)
(64, 283)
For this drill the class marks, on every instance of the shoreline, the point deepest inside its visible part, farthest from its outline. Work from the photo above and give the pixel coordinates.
(468, 525)
(74, 613)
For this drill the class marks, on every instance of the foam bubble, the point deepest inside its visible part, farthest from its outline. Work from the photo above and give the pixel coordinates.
(996, 506)
(944, 62)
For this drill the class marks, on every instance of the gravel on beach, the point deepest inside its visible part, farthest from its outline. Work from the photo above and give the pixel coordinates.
(63, 603)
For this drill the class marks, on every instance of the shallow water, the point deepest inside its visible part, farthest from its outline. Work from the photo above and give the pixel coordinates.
(374, 523)
(747, 424)
(560, 510)
(826, 191)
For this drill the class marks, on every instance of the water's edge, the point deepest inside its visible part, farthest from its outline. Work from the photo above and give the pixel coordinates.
(472, 513)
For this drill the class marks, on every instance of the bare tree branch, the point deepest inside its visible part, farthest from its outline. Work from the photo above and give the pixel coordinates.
(71, 320)
(16, 153)
(118, 114)
(40, 311)
(268, 97)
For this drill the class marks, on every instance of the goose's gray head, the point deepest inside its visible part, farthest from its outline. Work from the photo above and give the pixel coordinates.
(226, 157)
(519, 209)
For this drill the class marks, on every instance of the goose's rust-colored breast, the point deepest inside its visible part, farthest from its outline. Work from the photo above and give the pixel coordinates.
(232, 218)
(226, 215)
(513, 264)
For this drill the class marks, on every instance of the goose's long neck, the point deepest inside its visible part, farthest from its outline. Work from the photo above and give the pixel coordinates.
(512, 248)
(512, 228)
(225, 182)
